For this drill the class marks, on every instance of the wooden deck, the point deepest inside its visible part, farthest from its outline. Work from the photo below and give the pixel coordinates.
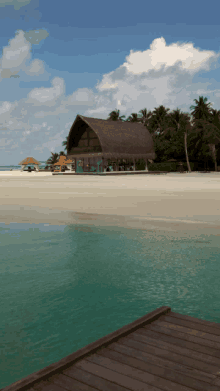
(161, 351)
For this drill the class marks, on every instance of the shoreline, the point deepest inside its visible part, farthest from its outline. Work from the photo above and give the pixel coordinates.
(173, 202)
(30, 215)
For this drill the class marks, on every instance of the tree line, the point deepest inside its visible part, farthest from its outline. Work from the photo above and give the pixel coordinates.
(193, 136)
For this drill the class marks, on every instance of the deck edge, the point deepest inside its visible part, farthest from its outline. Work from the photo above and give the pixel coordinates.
(52, 369)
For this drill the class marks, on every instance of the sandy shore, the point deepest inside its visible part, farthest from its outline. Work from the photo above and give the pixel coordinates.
(189, 201)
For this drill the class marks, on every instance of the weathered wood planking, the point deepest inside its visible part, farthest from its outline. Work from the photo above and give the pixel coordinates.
(161, 351)
(64, 363)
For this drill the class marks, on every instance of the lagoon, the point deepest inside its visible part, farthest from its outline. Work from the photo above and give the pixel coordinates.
(65, 286)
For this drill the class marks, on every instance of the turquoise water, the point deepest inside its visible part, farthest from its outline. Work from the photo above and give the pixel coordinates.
(63, 287)
(8, 168)
(15, 168)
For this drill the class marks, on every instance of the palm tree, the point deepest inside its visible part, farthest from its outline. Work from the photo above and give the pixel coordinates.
(159, 119)
(62, 153)
(133, 118)
(64, 143)
(201, 110)
(53, 159)
(145, 116)
(115, 116)
(182, 122)
(211, 133)
(207, 123)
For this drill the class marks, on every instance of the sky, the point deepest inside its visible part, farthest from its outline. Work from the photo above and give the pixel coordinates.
(63, 58)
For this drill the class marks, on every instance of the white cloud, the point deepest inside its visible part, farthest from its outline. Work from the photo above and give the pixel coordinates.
(81, 97)
(142, 68)
(160, 54)
(16, 3)
(48, 96)
(16, 53)
(5, 107)
(54, 142)
(16, 58)
(36, 68)
(161, 75)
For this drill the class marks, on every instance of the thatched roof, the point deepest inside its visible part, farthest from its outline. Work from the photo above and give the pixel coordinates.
(28, 160)
(117, 139)
(63, 161)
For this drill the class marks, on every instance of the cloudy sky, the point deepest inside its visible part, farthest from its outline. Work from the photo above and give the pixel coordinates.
(63, 58)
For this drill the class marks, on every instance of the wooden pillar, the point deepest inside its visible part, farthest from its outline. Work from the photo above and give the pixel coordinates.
(116, 165)
(146, 168)
(134, 164)
(105, 164)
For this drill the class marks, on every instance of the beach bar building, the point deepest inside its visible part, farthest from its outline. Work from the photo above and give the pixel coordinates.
(29, 161)
(96, 144)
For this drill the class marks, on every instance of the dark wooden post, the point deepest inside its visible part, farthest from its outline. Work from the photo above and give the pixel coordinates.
(134, 165)
(146, 161)
(116, 164)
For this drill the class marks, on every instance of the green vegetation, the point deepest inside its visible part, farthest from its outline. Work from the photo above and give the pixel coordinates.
(193, 138)
(54, 158)
(182, 136)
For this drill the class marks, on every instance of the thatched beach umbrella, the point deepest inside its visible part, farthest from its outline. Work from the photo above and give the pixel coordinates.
(27, 161)
(63, 161)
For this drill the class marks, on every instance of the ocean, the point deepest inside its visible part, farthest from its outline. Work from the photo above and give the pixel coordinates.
(15, 168)
(63, 287)
(8, 168)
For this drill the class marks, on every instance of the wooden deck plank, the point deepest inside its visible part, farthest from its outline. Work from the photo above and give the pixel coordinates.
(183, 335)
(135, 373)
(65, 362)
(44, 385)
(188, 330)
(192, 325)
(195, 320)
(92, 379)
(69, 384)
(170, 356)
(162, 350)
(171, 345)
(152, 360)
(216, 383)
(215, 353)
(114, 377)
(136, 361)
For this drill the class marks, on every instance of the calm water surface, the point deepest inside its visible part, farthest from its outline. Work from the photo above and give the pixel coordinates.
(63, 287)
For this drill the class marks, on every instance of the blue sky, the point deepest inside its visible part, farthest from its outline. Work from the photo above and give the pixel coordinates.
(63, 58)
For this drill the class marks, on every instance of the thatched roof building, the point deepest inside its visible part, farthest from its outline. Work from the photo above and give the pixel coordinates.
(105, 139)
(63, 161)
(28, 160)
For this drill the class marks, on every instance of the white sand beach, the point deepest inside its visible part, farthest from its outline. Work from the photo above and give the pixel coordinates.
(189, 201)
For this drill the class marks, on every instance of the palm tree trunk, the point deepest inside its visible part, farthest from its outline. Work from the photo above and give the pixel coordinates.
(187, 159)
(213, 151)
